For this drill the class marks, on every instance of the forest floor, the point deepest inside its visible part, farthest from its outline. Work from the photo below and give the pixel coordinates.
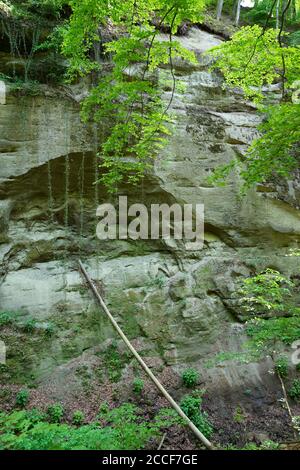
(235, 424)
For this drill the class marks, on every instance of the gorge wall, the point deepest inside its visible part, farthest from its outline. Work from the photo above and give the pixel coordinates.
(179, 307)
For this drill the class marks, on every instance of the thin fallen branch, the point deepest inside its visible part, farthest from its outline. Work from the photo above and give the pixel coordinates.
(162, 441)
(156, 382)
(286, 401)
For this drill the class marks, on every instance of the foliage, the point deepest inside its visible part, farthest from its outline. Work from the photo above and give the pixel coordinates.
(190, 377)
(123, 431)
(137, 386)
(128, 100)
(264, 333)
(277, 152)
(191, 405)
(294, 391)
(114, 362)
(55, 413)
(267, 293)
(259, 14)
(35, 10)
(296, 423)
(30, 325)
(77, 418)
(294, 38)
(266, 445)
(6, 318)
(254, 57)
(263, 295)
(22, 398)
(281, 367)
(239, 416)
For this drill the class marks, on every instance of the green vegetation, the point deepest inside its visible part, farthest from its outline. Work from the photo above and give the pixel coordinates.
(268, 293)
(55, 413)
(266, 445)
(294, 391)
(7, 318)
(22, 398)
(190, 377)
(29, 325)
(253, 58)
(138, 386)
(114, 362)
(128, 100)
(267, 298)
(265, 333)
(239, 416)
(77, 418)
(265, 53)
(281, 367)
(118, 429)
(191, 405)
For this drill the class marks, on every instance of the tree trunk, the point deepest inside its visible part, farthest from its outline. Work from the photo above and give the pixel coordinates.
(238, 12)
(219, 9)
(277, 13)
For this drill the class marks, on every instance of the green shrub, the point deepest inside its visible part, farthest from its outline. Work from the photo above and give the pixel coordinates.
(267, 293)
(7, 318)
(123, 430)
(114, 362)
(137, 386)
(35, 416)
(264, 333)
(30, 325)
(103, 409)
(22, 398)
(77, 418)
(294, 391)
(191, 405)
(269, 445)
(55, 413)
(281, 367)
(49, 330)
(190, 377)
(239, 416)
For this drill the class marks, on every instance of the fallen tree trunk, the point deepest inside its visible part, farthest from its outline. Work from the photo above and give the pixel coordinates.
(160, 387)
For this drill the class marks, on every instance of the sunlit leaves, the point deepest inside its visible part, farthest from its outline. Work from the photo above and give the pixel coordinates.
(127, 101)
(278, 150)
(253, 58)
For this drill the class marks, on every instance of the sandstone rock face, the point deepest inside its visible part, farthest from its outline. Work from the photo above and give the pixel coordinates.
(37, 129)
(181, 303)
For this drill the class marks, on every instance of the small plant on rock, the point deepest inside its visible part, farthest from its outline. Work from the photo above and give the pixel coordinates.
(30, 325)
(190, 377)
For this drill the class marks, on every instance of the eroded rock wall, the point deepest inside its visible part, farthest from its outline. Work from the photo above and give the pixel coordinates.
(179, 305)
